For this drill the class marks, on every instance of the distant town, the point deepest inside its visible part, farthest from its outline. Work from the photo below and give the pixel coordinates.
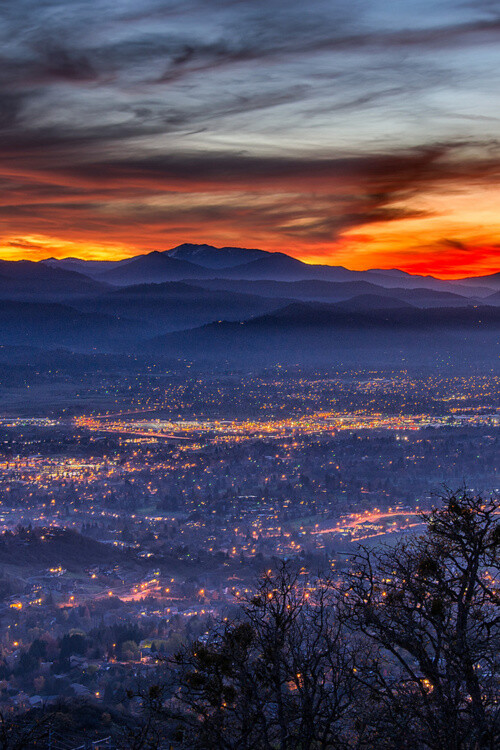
(132, 525)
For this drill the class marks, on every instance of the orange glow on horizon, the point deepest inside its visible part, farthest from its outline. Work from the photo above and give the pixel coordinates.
(357, 252)
(446, 233)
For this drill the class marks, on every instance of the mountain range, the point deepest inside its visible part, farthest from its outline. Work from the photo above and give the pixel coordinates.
(209, 303)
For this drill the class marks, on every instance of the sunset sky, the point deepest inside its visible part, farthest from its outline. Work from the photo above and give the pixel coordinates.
(363, 133)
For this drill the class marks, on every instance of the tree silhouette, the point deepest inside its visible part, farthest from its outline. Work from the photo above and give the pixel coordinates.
(280, 677)
(430, 607)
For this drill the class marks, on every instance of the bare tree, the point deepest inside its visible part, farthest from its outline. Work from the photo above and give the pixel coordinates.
(19, 731)
(430, 607)
(282, 677)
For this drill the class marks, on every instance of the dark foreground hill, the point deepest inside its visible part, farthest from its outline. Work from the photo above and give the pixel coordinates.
(327, 334)
(48, 547)
(178, 305)
(367, 330)
(49, 325)
(338, 291)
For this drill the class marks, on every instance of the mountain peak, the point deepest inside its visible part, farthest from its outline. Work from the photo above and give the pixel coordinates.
(209, 256)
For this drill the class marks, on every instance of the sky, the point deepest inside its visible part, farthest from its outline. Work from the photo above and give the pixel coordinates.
(363, 133)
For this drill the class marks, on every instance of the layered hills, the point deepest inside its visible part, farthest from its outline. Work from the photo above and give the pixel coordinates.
(238, 304)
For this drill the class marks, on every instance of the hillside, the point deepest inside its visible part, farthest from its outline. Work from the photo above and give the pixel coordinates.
(328, 334)
(50, 547)
(24, 279)
(50, 324)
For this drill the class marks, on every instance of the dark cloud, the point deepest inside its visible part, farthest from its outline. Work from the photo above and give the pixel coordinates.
(226, 167)
(316, 200)
(23, 244)
(377, 178)
(11, 104)
(455, 244)
(310, 197)
(60, 63)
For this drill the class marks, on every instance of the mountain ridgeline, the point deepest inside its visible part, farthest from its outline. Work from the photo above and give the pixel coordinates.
(247, 306)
